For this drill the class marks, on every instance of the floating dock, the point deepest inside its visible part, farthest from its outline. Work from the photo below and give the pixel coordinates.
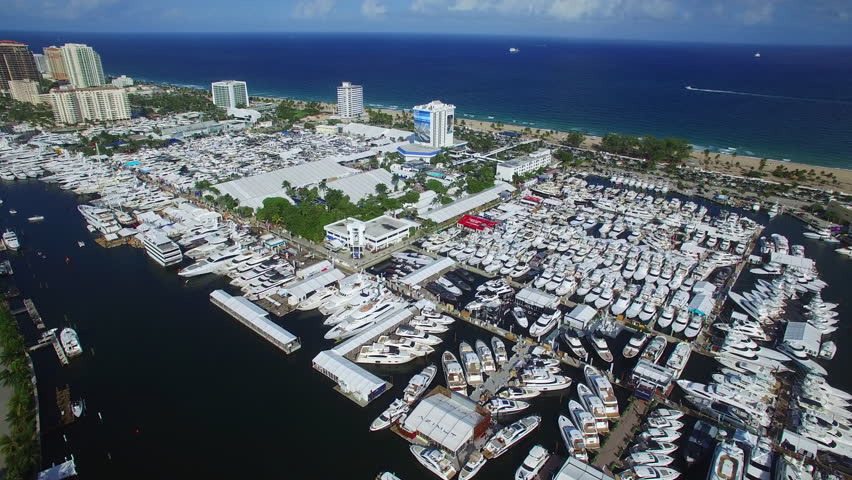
(256, 319)
(31, 310)
(63, 402)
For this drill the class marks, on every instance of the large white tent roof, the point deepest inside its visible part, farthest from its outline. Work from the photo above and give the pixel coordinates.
(252, 191)
(428, 271)
(350, 376)
(448, 421)
(361, 185)
(464, 205)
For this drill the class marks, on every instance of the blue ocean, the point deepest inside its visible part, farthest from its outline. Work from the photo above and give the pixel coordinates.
(789, 103)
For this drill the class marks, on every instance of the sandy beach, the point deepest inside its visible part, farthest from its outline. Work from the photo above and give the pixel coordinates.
(824, 177)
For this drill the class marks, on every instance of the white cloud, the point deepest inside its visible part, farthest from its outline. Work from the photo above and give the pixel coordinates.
(373, 9)
(71, 9)
(428, 6)
(470, 5)
(313, 8)
(758, 12)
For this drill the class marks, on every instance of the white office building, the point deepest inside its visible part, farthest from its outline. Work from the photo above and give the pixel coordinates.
(24, 91)
(122, 81)
(97, 104)
(373, 235)
(520, 166)
(350, 100)
(230, 94)
(433, 124)
(82, 65)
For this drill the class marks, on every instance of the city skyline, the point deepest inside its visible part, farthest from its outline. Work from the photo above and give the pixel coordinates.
(721, 21)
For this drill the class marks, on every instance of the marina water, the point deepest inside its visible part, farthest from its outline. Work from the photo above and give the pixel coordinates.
(183, 390)
(791, 103)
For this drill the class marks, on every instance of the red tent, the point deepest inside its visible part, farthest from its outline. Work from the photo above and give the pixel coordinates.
(476, 223)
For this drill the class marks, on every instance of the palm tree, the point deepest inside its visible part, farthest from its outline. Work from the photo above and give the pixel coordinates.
(395, 181)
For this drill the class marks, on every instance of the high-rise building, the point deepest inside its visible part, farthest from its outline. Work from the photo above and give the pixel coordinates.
(16, 63)
(123, 81)
(230, 94)
(82, 65)
(41, 63)
(55, 64)
(350, 100)
(24, 90)
(433, 124)
(97, 104)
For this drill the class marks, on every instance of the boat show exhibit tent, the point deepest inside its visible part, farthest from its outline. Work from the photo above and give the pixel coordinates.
(580, 316)
(536, 300)
(446, 418)
(804, 335)
(391, 321)
(575, 469)
(298, 291)
(252, 191)
(361, 185)
(701, 304)
(255, 318)
(469, 203)
(428, 271)
(351, 379)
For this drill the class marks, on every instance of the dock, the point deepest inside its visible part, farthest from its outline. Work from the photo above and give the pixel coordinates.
(499, 379)
(256, 319)
(63, 402)
(622, 435)
(34, 315)
(57, 346)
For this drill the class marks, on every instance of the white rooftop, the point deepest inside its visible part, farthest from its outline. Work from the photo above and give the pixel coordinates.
(362, 185)
(448, 421)
(464, 205)
(428, 271)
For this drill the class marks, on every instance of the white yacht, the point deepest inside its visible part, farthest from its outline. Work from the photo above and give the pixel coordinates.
(678, 358)
(728, 462)
(453, 373)
(655, 349)
(485, 357)
(363, 318)
(649, 459)
(520, 317)
(573, 438)
(499, 349)
(600, 385)
(594, 405)
(418, 384)
(436, 460)
(575, 345)
(585, 422)
(212, 263)
(644, 472)
(472, 365)
(11, 240)
(509, 435)
(473, 466)
(601, 347)
(101, 219)
(635, 344)
(543, 380)
(536, 459)
(393, 413)
(381, 354)
(70, 342)
(504, 405)
(161, 249)
(315, 299)
(545, 323)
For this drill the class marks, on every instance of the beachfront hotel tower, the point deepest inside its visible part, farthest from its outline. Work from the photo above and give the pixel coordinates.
(55, 63)
(433, 124)
(16, 63)
(350, 100)
(82, 65)
(230, 94)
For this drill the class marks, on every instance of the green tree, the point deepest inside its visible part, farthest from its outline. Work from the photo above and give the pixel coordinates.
(381, 189)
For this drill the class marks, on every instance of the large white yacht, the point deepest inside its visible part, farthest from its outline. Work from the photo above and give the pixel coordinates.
(585, 422)
(212, 263)
(453, 373)
(603, 389)
(70, 342)
(509, 435)
(161, 249)
(315, 299)
(362, 319)
(536, 459)
(101, 219)
(545, 323)
(11, 240)
(728, 462)
(471, 363)
(594, 405)
(397, 409)
(381, 354)
(418, 384)
(573, 438)
(485, 357)
(436, 460)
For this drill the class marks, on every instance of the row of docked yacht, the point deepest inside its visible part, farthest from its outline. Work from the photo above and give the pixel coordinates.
(474, 364)
(398, 409)
(651, 456)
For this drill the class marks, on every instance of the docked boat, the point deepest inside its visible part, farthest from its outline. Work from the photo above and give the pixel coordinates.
(699, 442)
(643, 472)
(678, 358)
(655, 348)
(161, 249)
(585, 422)
(77, 407)
(594, 405)
(637, 341)
(573, 438)
(394, 412)
(381, 354)
(499, 406)
(520, 317)
(728, 462)
(531, 465)
(545, 323)
(100, 219)
(510, 435)
(601, 347)
(471, 364)
(575, 345)
(212, 263)
(11, 240)
(453, 373)
(485, 357)
(436, 460)
(316, 299)
(473, 466)
(418, 384)
(601, 386)
(70, 342)
(518, 393)
(499, 349)
(543, 380)
(649, 459)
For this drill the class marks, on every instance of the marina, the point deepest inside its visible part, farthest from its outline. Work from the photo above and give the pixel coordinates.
(550, 328)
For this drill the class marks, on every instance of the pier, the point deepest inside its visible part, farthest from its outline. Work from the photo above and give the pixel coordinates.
(255, 318)
(618, 438)
(499, 379)
(34, 315)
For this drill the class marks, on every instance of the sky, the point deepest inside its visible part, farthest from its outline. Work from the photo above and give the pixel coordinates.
(729, 21)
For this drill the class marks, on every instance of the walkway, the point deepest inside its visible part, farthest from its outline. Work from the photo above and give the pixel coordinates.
(500, 378)
(623, 433)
